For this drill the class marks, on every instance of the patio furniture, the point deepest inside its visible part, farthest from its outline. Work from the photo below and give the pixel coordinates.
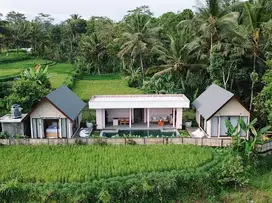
(124, 121)
(156, 119)
(115, 121)
(161, 123)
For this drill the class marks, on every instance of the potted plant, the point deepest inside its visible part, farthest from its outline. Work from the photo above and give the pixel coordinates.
(188, 121)
(90, 120)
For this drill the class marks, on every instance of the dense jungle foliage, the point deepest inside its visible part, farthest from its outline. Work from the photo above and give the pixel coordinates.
(224, 41)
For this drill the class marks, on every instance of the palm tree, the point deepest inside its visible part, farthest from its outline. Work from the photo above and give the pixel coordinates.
(179, 56)
(20, 34)
(250, 34)
(253, 13)
(94, 50)
(138, 39)
(214, 22)
(3, 31)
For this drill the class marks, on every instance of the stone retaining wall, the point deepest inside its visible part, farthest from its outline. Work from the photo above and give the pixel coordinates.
(214, 142)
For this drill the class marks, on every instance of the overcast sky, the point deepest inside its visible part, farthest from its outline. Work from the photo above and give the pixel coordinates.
(114, 9)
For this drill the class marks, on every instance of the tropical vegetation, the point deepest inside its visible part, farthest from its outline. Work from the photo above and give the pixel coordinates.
(226, 42)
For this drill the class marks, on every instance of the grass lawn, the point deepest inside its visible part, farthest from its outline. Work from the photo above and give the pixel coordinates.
(102, 77)
(9, 72)
(21, 65)
(58, 71)
(57, 79)
(61, 68)
(85, 89)
(262, 179)
(76, 163)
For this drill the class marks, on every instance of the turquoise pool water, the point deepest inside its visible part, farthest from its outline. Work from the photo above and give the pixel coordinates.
(140, 133)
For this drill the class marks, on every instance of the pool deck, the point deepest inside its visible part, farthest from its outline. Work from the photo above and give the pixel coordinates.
(142, 126)
(115, 129)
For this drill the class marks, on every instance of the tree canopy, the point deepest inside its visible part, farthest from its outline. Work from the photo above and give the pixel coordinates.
(223, 41)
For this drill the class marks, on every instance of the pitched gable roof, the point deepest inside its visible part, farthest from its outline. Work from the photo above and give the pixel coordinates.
(66, 101)
(210, 101)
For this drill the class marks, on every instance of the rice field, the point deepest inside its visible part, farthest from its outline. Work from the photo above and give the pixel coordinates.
(85, 89)
(78, 163)
(57, 79)
(13, 68)
(9, 72)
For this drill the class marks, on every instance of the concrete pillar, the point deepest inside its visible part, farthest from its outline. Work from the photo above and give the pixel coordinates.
(219, 127)
(103, 118)
(130, 118)
(60, 129)
(145, 115)
(148, 118)
(179, 118)
(174, 117)
(132, 114)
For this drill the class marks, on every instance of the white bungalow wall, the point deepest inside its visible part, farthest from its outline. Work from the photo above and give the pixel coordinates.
(197, 117)
(43, 111)
(209, 127)
(100, 122)
(46, 110)
(233, 108)
(179, 119)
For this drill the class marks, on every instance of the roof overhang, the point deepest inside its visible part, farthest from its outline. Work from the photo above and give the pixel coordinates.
(139, 101)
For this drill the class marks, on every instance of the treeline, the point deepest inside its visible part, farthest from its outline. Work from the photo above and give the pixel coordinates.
(224, 41)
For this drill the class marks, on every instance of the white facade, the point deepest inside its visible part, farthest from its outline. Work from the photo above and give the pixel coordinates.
(44, 111)
(215, 126)
(144, 109)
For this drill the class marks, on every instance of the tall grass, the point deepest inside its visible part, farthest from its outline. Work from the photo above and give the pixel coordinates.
(83, 163)
(85, 89)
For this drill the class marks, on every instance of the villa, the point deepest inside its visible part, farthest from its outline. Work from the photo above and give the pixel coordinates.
(139, 111)
(57, 115)
(216, 105)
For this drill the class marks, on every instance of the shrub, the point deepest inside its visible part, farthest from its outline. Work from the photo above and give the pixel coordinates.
(70, 81)
(4, 135)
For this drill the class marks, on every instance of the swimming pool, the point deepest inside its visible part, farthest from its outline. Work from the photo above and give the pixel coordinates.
(140, 133)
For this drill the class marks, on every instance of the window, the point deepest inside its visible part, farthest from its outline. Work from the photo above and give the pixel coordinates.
(202, 122)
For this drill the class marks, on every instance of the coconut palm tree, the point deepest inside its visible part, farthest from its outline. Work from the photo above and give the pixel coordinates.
(3, 32)
(249, 34)
(180, 56)
(94, 50)
(138, 39)
(20, 34)
(213, 22)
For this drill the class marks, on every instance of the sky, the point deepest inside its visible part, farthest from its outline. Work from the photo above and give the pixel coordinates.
(114, 9)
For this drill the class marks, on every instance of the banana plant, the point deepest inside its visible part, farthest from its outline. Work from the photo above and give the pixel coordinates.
(38, 74)
(248, 148)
